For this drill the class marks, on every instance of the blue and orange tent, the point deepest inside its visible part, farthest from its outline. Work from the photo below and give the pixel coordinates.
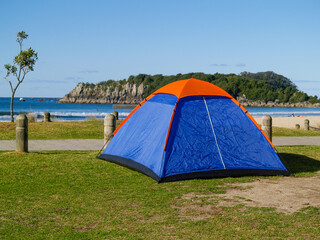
(192, 129)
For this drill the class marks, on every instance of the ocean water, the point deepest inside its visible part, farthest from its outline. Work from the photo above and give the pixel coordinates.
(58, 111)
(72, 111)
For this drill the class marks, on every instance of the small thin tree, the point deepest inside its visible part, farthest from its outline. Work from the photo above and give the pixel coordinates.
(22, 64)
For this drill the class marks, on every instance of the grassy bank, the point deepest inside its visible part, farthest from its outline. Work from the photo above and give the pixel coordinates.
(56, 130)
(288, 132)
(73, 195)
(94, 130)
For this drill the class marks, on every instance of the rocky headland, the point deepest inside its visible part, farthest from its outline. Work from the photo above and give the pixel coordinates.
(130, 93)
(248, 88)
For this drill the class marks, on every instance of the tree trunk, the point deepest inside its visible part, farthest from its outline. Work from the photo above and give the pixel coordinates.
(11, 107)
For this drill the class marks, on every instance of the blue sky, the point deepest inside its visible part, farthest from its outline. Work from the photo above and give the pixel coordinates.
(93, 41)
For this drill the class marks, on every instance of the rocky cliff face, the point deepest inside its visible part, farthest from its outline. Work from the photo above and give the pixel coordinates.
(128, 93)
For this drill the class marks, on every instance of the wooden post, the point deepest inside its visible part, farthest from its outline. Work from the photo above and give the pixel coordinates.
(297, 126)
(116, 114)
(267, 126)
(47, 117)
(109, 127)
(306, 124)
(22, 133)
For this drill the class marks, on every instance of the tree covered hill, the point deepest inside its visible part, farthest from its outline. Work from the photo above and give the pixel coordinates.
(263, 86)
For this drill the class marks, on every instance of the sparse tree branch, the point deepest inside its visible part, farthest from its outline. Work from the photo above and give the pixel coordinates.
(24, 74)
(11, 86)
(25, 61)
(18, 77)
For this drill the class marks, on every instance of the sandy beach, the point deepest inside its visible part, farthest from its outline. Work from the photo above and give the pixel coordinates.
(290, 122)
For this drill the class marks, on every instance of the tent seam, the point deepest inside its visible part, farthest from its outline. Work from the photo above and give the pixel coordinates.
(214, 134)
(167, 137)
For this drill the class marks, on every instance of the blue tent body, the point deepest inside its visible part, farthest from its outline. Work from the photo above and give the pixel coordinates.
(170, 138)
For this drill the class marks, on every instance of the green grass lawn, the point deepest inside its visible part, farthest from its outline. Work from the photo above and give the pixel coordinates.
(288, 132)
(56, 130)
(94, 130)
(73, 195)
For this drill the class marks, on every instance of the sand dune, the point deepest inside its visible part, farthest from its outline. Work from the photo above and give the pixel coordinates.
(290, 122)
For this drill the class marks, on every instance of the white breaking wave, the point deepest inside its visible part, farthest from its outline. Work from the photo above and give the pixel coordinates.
(63, 115)
(6, 117)
(83, 114)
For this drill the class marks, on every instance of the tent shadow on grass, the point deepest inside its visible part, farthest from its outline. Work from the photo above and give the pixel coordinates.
(297, 163)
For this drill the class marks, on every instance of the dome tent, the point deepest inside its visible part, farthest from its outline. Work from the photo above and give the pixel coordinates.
(192, 129)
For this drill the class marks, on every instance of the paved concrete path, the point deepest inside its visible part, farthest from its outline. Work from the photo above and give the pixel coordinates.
(96, 144)
(280, 141)
(70, 144)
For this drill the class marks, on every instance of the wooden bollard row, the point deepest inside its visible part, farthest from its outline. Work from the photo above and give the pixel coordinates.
(267, 125)
(110, 127)
(22, 130)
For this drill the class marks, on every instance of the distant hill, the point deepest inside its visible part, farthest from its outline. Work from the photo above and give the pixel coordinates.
(261, 86)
